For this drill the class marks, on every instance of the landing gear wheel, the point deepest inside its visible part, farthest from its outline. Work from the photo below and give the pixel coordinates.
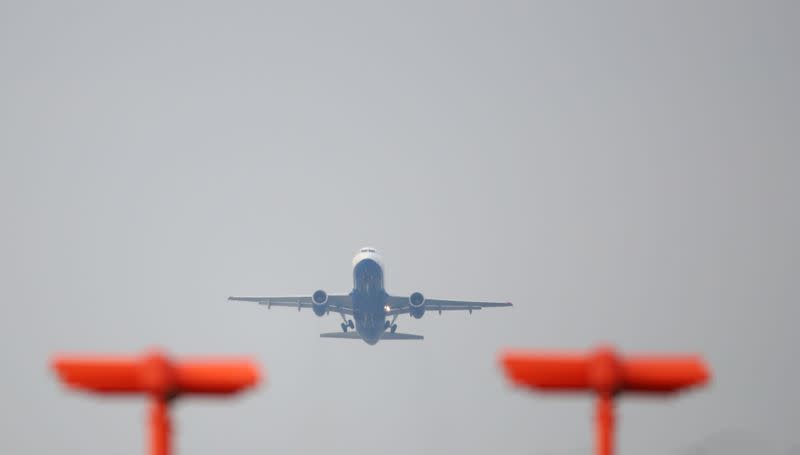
(386, 324)
(350, 324)
(344, 327)
(394, 328)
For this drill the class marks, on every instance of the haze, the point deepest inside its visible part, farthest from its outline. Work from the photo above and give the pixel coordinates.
(623, 172)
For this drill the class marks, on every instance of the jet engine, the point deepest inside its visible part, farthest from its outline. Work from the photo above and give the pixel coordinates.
(417, 302)
(320, 300)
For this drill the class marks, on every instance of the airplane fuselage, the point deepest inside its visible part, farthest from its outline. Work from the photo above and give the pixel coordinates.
(369, 297)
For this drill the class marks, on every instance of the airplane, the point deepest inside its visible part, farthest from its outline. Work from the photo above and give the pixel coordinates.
(369, 304)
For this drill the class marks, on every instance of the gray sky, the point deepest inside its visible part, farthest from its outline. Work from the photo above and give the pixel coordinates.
(624, 172)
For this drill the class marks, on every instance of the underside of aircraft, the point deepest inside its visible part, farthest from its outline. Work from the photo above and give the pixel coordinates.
(368, 307)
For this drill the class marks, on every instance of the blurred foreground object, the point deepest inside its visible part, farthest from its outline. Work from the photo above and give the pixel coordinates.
(158, 376)
(605, 373)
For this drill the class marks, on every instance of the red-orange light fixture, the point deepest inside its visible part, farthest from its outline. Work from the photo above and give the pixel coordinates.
(605, 373)
(159, 377)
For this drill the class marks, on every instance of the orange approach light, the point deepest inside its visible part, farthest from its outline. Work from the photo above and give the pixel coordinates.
(158, 376)
(605, 373)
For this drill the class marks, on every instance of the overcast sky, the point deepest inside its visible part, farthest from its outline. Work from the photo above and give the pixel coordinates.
(622, 172)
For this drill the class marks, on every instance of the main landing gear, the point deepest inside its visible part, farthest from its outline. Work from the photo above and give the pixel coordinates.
(391, 325)
(347, 324)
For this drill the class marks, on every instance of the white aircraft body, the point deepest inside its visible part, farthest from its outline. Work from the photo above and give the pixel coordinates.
(369, 304)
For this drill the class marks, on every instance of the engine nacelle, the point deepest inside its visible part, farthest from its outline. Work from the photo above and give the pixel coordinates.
(416, 300)
(320, 300)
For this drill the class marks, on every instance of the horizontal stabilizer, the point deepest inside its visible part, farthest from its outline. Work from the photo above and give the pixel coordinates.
(400, 336)
(349, 335)
(385, 336)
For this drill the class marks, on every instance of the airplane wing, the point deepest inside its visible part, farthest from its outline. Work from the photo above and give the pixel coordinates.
(338, 303)
(401, 305)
